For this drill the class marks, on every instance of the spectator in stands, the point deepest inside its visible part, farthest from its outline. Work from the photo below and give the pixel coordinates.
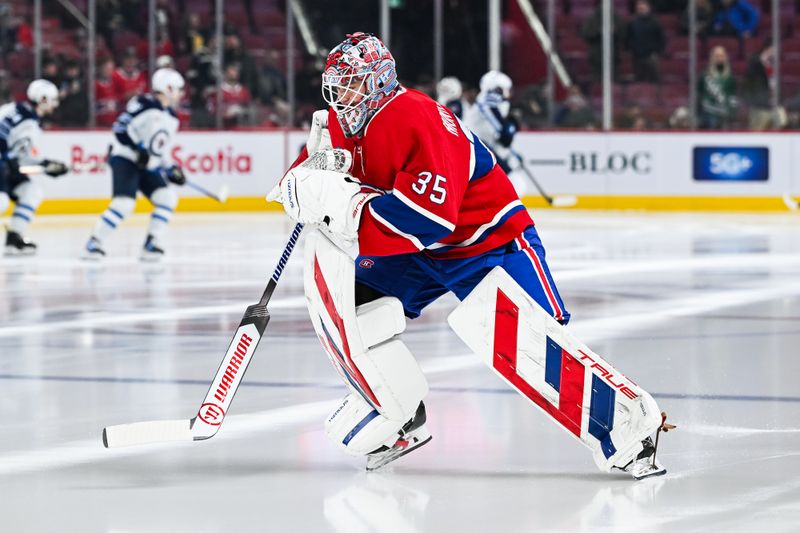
(24, 37)
(234, 52)
(716, 92)
(165, 61)
(592, 33)
(73, 108)
(5, 87)
(645, 39)
(532, 106)
(679, 119)
(670, 6)
(129, 80)
(736, 17)
(575, 112)
(50, 71)
(633, 118)
(201, 78)
(163, 44)
(273, 82)
(8, 30)
(705, 18)
(107, 98)
(236, 98)
(194, 37)
(758, 81)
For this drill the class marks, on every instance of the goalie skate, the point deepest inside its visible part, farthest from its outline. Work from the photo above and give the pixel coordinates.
(412, 436)
(407, 443)
(645, 464)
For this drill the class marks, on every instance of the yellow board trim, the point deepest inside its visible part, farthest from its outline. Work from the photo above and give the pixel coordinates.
(672, 203)
(257, 203)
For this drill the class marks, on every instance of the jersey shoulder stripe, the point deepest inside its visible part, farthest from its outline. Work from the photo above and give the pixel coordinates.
(416, 242)
(484, 230)
(422, 211)
(406, 221)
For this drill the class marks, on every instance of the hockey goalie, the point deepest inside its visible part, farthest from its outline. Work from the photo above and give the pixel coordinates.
(430, 211)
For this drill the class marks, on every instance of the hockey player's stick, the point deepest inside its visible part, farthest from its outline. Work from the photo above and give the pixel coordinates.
(221, 196)
(555, 201)
(220, 394)
(40, 169)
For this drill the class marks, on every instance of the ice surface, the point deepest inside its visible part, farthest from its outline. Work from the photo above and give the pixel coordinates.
(701, 310)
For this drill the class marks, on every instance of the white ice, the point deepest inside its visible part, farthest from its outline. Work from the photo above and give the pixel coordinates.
(701, 310)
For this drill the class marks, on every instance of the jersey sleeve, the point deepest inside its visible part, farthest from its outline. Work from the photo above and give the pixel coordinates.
(122, 129)
(423, 205)
(25, 141)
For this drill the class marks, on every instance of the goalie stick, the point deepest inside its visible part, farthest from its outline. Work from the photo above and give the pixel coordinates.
(240, 351)
(220, 394)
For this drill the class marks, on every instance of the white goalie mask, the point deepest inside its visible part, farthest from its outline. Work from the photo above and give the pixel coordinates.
(359, 78)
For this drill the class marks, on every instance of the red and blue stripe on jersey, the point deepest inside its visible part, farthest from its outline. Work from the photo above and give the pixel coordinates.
(443, 191)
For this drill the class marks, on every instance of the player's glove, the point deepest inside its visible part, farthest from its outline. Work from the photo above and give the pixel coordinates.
(330, 199)
(142, 156)
(175, 175)
(11, 166)
(54, 169)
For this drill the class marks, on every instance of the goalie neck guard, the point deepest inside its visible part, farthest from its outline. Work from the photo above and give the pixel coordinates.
(359, 78)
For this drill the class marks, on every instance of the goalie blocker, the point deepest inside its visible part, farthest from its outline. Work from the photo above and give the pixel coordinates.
(544, 361)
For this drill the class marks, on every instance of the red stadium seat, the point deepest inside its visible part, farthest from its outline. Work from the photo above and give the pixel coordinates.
(644, 94)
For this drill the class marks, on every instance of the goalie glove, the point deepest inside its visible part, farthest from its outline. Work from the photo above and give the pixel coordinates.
(319, 138)
(54, 169)
(330, 199)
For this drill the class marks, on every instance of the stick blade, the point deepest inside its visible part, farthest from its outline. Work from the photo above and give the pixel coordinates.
(223, 194)
(147, 433)
(564, 201)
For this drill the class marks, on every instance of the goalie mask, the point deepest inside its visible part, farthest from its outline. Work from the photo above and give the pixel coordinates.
(359, 78)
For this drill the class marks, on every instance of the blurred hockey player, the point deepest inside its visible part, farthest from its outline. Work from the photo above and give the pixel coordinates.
(20, 132)
(431, 213)
(140, 161)
(489, 118)
(449, 93)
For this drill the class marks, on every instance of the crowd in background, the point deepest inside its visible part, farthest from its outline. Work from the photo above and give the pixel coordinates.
(254, 87)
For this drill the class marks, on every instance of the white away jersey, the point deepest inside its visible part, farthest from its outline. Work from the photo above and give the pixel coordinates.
(146, 123)
(20, 133)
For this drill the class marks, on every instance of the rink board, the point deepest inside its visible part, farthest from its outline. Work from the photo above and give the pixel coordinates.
(654, 171)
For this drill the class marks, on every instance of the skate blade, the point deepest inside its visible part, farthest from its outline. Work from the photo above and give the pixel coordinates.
(14, 252)
(653, 472)
(393, 458)
(95, 258)
(151, 258)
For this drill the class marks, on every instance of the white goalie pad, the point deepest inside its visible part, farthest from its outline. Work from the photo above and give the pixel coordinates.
(545, 362)
(361, 343)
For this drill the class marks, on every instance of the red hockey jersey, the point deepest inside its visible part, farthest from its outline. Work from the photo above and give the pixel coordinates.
(444, 194)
